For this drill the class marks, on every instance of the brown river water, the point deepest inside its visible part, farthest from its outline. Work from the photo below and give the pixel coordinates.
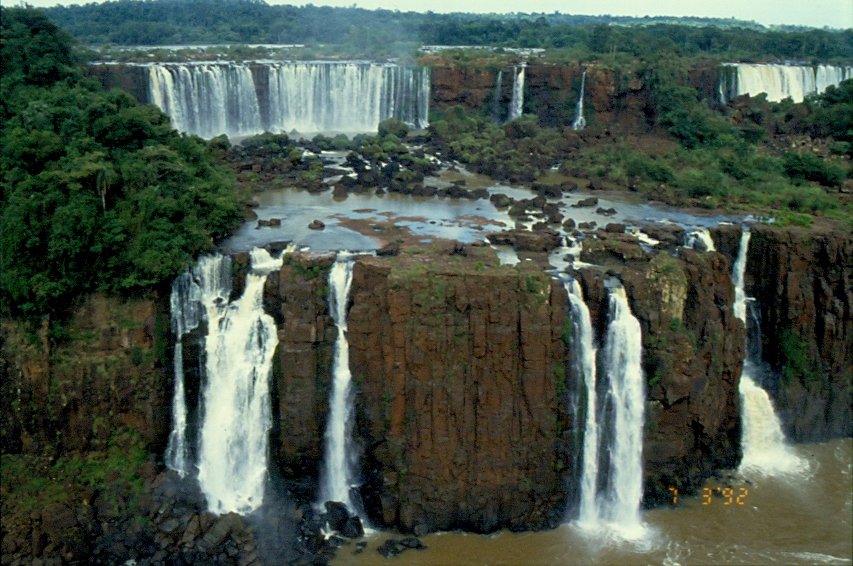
(797, 519)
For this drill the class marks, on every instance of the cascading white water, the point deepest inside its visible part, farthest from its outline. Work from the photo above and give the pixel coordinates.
(700, 239)
(780, 81)
(234, 432)
(626, 398)
(584, 353)
(580, 121)
(614, 418)
(209, 282)
(209, 99)
(762, 441)
(337, 474)
(516, 105)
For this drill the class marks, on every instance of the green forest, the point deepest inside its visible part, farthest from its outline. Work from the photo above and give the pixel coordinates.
(98, 191)
(385, 32)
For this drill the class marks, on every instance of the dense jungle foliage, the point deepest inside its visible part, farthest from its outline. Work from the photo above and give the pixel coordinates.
(98, 192)
(693, 155)
(385, 32)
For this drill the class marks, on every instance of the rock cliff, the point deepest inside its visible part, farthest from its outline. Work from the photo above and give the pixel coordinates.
(462, 374)
(460, 405)
(803, 283)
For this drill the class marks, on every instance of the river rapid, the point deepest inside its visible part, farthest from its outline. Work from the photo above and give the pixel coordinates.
(802, 518)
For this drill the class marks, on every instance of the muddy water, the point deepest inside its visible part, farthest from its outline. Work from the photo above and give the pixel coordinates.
(801, 519)
(458, 219)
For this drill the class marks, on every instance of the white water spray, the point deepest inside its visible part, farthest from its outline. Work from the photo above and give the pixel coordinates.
(338, 472)
(615, 415)
(620, 505)
(763, 443)
(234, 435)
(780, 81)
(701, 240)
(584, 353)
(516, 105)
(209, 282)
(580, 121)
(237, 99)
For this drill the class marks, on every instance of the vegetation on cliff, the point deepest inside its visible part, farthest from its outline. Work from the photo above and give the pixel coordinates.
(738, 159)
(98, 192)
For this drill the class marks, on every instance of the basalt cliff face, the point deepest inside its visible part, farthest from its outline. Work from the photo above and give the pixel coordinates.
(803, 284)
(464, 382)
(462, 373)
(102, 371)
(615, 98)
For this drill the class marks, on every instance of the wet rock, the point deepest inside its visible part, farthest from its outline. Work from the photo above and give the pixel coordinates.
(413, 542)
(501, 200)
(587, 225)
(339, 192)
(605, 211)
(569, 224)
(586, 202)
(353, 527)
(336, 515)
(271, 223)
(391, 548)
(359, 547)
(390, 249)
(543, 240)
(615, 228)
(316, 225)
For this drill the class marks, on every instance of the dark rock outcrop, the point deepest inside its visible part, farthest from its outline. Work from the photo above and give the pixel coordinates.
(458, 402)
(803, 282)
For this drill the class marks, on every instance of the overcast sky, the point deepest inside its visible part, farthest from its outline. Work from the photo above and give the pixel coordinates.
(817, 13)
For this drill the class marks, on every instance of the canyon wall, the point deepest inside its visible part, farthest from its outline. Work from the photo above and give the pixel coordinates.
(611, 98)
(72, 386)
(462, 375)
(803, 283)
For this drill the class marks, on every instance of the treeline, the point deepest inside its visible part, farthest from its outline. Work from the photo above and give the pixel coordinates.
(97, 192)
(175, 22)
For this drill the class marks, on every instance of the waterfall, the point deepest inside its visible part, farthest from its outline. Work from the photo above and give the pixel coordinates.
(234, 433)
(584, 354)
(496, 98)
(626, 403)
(614, 418)
(779, 81)
(580, 121)
(207, 284)
(762, 440)
(208, 99)
(516, 105)
(337, 476)
(700, 239)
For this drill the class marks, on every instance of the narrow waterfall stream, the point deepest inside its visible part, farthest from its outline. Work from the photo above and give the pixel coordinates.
(516, 105)
(614, 407)
(625, 404)
(700, 240)
(337, 475)
(584, 353)
(207, 284)
(234, 415)
(496, 97)
(580, 121)
(765, 450)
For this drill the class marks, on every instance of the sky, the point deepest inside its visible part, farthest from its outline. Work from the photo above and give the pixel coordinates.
(815, 13)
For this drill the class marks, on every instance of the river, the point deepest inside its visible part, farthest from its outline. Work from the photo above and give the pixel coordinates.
(797, 519)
